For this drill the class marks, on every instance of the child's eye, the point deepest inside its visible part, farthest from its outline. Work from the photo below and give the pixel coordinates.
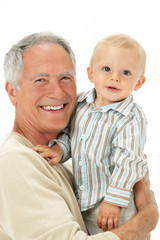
(106, 69)
(126, 72)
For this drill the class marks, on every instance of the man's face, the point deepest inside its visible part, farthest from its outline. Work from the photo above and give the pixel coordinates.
(47, 92)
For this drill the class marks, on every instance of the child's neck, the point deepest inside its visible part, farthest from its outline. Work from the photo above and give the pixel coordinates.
(99, 104)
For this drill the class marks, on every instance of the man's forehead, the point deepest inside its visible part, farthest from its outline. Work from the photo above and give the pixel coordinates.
(48, 61)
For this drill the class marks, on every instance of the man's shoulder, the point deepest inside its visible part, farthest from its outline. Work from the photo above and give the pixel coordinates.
(14, 140)
(16, 155)
(15, 149)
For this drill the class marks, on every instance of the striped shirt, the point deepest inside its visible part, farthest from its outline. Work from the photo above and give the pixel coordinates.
(106, 145)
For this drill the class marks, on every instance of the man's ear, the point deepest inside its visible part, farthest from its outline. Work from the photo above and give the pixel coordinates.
(11, 91)
(140, 82)
(90, 74)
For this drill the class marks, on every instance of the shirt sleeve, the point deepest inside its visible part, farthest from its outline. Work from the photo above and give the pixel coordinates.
(35, 202)
(129, 160)
(63, 141)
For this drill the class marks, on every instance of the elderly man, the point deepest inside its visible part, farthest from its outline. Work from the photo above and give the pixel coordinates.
(37, 200)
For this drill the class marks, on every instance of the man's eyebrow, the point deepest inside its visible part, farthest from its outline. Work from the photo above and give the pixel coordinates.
(59, 75)
(67, 73)
(41, 75)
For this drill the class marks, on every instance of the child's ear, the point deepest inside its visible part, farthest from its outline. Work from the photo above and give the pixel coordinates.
(140, 82)
(11, 91)
(90, 74)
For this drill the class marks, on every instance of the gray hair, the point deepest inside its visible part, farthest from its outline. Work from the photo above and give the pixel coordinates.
(13, 61)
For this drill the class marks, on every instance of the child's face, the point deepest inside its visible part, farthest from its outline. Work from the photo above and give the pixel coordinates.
(116, 72)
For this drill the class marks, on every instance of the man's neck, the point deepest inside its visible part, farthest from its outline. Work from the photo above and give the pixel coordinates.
(34, 136)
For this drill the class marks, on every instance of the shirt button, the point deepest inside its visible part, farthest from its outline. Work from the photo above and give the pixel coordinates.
(83, 136)
(81, 187)
(80, 163)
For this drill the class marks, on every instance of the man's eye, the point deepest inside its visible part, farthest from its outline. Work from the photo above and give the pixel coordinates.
(106, 69)
(66, 78)
(40, 80)
(127, 73)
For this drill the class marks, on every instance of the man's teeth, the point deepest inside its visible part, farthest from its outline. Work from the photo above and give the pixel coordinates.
(53, 107)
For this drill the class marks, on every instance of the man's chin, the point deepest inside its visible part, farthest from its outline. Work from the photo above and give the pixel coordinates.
(59, 124)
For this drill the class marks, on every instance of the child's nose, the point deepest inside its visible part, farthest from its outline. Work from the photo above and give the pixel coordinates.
(115, 77)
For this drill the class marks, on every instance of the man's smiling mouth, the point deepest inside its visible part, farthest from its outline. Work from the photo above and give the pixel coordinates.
(52, 108)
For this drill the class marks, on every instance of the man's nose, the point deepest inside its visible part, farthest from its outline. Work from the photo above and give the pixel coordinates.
(56, 90)
(115, 77)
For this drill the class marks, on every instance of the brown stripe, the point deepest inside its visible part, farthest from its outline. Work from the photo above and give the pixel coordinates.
(124, 124)
(115, 195)
(112, 121)
(113, 175)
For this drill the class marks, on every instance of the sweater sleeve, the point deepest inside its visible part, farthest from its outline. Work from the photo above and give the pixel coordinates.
(37, 201)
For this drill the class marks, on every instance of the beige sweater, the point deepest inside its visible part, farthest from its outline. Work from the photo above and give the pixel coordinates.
(36, 200)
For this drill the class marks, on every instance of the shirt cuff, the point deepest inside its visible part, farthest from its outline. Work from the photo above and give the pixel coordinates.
(66, 155)
(119, 197)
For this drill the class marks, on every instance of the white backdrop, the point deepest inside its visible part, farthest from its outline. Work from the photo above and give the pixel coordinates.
(83, 23)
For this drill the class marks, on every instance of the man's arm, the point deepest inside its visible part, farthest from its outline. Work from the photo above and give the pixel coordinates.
(145, 221)
(39, 198)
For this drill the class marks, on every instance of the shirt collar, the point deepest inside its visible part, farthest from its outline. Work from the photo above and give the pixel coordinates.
(84, 96)
(124, 106)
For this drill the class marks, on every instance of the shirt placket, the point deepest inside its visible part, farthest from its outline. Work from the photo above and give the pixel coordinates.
(82, 171)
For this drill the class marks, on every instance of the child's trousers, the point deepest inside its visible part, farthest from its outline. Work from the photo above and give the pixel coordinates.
(90, 216)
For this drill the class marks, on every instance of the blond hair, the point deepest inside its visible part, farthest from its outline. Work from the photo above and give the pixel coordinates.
(120, 41)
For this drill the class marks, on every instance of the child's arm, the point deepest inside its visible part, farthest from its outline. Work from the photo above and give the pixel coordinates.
(54, 153)
(108, 216)
(130, 163)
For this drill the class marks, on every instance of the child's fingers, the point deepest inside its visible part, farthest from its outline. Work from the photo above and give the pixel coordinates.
(104, 224)
(52, 162)
(40, 148)
(46, 154)
(116, 222)
(110, 224)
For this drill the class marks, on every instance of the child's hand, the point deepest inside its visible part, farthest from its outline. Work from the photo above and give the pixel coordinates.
(54, 153)
(108, 216)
